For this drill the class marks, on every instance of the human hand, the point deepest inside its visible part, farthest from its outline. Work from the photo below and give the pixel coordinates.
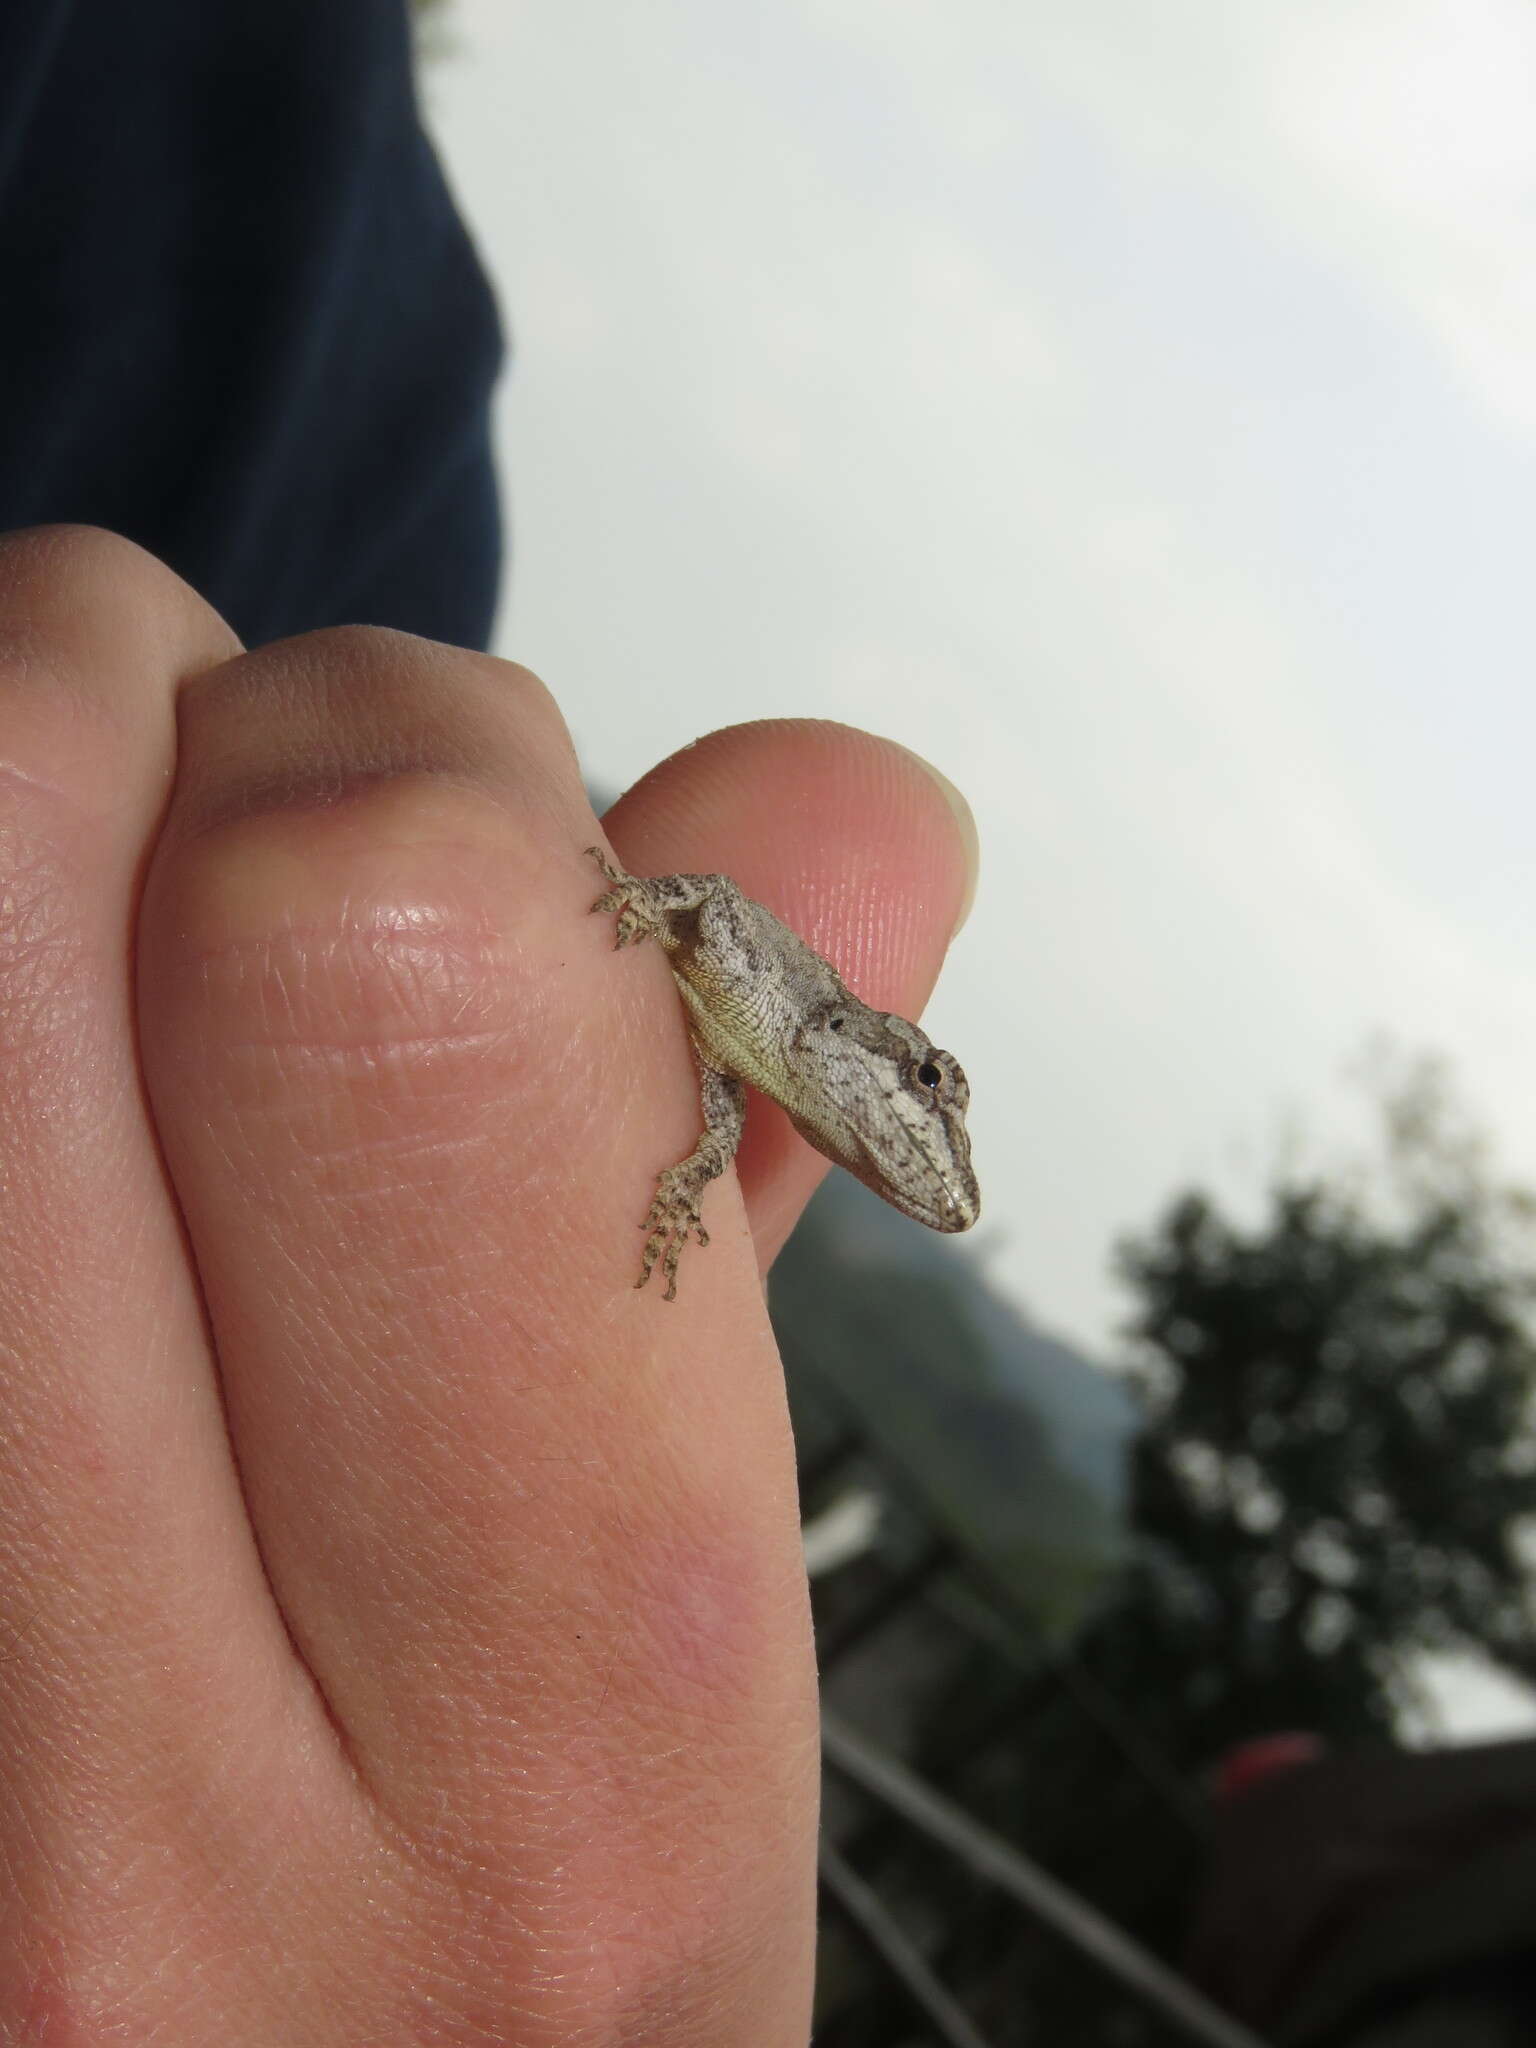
(403, 1634)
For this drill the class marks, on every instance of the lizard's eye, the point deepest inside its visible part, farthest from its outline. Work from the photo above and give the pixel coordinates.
(929, 1075)
(836, 1023)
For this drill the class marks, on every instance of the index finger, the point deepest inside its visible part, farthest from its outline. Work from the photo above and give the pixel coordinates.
(532, 1533)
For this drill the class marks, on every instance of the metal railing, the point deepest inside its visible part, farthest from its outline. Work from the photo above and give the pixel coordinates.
(987, 1854)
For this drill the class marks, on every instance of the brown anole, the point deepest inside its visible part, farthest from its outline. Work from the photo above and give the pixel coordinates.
(869, 1090)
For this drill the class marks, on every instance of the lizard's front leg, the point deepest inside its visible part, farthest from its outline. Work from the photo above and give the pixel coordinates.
(646, 903)
(679, 1191)
(647, 907)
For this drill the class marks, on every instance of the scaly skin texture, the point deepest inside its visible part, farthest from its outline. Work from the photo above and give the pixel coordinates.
(867, 1089)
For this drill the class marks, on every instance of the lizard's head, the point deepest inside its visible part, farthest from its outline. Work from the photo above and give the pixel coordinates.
(890, 1107)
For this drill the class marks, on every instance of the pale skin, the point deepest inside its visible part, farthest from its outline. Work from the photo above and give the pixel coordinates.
(403, 1633)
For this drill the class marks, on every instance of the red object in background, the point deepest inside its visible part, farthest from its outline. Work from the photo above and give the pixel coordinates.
(1251, 1762)
(1384, 1896)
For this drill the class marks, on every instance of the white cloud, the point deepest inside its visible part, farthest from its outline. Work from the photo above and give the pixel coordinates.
(1416, 126)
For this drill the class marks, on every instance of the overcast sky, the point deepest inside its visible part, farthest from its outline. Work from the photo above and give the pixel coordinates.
(1134, 410)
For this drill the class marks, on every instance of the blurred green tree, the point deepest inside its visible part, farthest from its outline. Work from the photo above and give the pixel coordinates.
(1336, 1477)
(1338, 1470)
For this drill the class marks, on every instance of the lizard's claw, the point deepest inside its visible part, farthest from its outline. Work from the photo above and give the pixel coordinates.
(671, 1219)
(609, 872)
(637, 919)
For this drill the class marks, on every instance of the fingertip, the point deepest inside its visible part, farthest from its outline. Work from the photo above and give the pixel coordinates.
(965, 828)
(859, 844)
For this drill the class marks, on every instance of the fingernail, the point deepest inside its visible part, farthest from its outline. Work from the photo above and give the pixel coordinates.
(965, 825)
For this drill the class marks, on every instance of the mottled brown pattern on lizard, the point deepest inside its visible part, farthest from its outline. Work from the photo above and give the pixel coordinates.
(867, 1089)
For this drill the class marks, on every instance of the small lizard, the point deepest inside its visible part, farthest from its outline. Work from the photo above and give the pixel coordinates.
(868, 1090)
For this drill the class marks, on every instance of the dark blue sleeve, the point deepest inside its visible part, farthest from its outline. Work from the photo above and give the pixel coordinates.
(240, 320)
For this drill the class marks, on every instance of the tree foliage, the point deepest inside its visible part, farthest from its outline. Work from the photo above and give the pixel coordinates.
(1337, 1468)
